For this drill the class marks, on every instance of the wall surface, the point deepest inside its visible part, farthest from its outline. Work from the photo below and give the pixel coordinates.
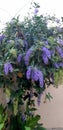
(52, 111)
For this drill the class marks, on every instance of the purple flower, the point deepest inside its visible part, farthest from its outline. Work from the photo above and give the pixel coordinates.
(61, 64)
(23, 117)
(59, 49)
(19, 58)
(37, 75)
(27, 56)
(45, 58)
(46, 54)
(28, 73)
(36, 11)
(39, 99)
(57, 20)
(1, 37)
(46, 42)
(41, 80)
(59, 29)
(56, 65)
(8, 68)
(25, 44)
(60, 41)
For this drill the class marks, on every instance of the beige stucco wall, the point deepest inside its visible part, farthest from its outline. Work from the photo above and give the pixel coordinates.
(52, 111)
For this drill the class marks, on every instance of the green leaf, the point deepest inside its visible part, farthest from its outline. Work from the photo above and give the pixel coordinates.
(33, 109)
(1, 109)
(33, 121)
(15, 105)
(0, 118)
(27, 128)
(1, 126)
(48, 96)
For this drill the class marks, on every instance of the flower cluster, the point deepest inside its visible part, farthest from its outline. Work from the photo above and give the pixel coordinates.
(8, 68)
(19, 58)
(1, 38)
(35, 74)
(60, 41)
(27, 56)
(60, 51)
(58, 20)
(57, 65)
(46, 55)
(28, 73)
(58, 29)
(36, 11)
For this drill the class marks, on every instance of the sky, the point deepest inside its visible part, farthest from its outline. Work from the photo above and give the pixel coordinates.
(11, 8)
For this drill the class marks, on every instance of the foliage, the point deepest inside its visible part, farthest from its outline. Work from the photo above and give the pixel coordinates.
(3, 118)
(31, 56)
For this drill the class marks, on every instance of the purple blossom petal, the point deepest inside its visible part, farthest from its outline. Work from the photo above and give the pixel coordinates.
(35, 74)
(61, 64)
(27, 56)
(57, 20)
(41, 79)
(45, 58)
(59, 29)
(19, 58)
(38, 76)
(23, 117)
(46, 51)
(8, 68)
(56, 65)
(59, 49)
(36, 11)
(46, 55)
(28, 73)
(46, 42)
(60, 41)
(61, 55)
(1, 37)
